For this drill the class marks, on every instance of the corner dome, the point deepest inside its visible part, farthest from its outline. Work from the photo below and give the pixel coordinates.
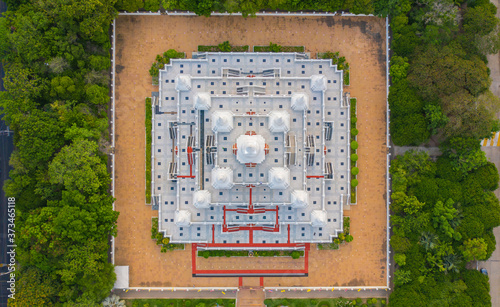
(279, 178)
(300, 102)
(318, 83)
(183, 83)
(202, 101)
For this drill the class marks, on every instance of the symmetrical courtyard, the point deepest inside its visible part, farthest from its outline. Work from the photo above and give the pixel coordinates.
(257, 149)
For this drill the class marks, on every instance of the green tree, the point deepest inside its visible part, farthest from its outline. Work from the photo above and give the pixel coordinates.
(399, 68)
(401, 277)
(475, 249)
(465, 154)
(478, 287)
(470, 116)
(77, 167)
(97, 95)
(443, 214)
(428, 240)
(439, 72)
(481, 30)
(34, 288)
(409, 130)
(435, 118)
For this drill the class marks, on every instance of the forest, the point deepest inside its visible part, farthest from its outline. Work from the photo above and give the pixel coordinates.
(56, 56)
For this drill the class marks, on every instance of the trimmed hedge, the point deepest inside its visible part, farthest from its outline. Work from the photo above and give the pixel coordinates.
(277, 48)
(215, 48)
(243, 253)
(149, 115)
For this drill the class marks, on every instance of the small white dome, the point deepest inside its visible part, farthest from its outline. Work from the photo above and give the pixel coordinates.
(300, 199)
(183, 83)
(318, 218)
(279, 121)
(222, 178)
(202, 199)
(318, 83)
(300, 102)
(279, 178)
(222, 121)
(182, 218)
(251, 148)
(202, 101)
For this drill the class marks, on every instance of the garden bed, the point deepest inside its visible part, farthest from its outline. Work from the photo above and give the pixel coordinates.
(354, 155)
(181, 302)
(162, 240)
(344, 237)
(217, 48)
(340, 62)
(332, 302)
(231, 253)
(278, 48)
(149, 116)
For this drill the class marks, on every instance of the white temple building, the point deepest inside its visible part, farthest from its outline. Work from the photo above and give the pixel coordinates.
(250, 142)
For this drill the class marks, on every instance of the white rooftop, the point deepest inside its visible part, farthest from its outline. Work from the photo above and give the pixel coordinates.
(239, 132)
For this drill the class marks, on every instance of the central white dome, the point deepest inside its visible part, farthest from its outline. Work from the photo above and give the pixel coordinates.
(251, 148)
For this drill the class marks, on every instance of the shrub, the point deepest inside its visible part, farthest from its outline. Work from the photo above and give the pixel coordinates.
(324, 304)
(359, 301)
(206, 254)
(314, 302)
(354, 132)
(225, 46)
(349, 238)
(400, 244)
(354, 157)
(354, 145)
(354, 183)
(355, 171)
(295, 255)
(341, 236)
(400, 259)
(274, 47)
(152, 5)
(354, 120)
(188, 303)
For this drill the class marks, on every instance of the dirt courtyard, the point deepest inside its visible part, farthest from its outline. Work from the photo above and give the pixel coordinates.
(360, 39)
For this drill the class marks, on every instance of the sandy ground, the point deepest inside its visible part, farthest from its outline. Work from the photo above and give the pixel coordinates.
(361, 40)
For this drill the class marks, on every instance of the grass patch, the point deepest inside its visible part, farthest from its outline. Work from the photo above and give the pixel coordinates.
(149, 116)
(231, 253)
(181, 302)
(278, 48)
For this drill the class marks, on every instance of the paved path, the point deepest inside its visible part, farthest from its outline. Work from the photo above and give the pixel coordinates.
(156, 294)
(250, 297)
(493, 154)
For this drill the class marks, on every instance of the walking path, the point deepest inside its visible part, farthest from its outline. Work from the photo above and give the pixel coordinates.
(492, 265)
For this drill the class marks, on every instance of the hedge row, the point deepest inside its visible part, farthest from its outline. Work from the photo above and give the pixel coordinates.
(149, 115)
